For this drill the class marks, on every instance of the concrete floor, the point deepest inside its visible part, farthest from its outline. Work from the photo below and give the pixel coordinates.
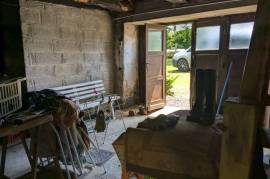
(113, 166)
(17, 163)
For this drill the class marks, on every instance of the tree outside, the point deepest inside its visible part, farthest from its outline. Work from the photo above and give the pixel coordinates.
(179, 36)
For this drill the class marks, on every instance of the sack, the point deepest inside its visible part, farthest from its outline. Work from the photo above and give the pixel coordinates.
(100, 122)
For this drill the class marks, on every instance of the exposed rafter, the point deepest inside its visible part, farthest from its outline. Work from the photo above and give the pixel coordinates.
(112, 5)
(177, 1)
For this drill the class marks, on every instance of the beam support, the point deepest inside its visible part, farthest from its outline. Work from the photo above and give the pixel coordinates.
(255, 83)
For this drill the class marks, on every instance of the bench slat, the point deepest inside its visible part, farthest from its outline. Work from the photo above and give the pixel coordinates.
(76, 90)
(78, 85)
(87, 96)
(81, 93)
(95, 103)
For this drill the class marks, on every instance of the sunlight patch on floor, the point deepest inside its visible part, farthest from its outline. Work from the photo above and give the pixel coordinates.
(166, 110)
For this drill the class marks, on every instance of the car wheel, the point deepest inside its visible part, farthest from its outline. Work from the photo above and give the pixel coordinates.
(182, 65)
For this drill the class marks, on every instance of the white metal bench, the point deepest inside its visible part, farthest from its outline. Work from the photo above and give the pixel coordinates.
(87, 95)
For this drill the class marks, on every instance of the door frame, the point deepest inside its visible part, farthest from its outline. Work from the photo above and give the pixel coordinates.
(224, 50)
(217, 21)
(143, 55)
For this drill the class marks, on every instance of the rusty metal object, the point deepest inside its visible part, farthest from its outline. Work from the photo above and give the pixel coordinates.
(131, 113)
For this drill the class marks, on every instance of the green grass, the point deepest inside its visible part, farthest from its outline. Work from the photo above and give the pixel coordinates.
(181, 85)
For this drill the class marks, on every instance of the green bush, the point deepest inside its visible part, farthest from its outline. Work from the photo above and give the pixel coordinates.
(169, 84)
(179, 39)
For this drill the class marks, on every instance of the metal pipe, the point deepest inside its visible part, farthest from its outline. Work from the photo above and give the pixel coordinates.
(89, 115)
(69, 153)
(61, 149)
(121, 114)
(224, 88)
(81, 140)
(88, 153)
(75, 150)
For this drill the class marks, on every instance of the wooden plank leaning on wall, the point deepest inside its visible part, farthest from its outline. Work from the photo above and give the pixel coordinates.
(243, 118)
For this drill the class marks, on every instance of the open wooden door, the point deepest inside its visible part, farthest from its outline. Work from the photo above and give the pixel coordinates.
(155, 73)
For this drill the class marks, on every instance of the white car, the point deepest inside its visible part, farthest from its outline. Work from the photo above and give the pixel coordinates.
(182, 59)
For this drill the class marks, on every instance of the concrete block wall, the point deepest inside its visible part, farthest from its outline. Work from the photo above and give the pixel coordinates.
(127, 62)
(66, 45)
(130, 63)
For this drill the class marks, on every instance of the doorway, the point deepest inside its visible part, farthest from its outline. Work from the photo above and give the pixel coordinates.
(219, 44)
(178, 65)
(212, 43)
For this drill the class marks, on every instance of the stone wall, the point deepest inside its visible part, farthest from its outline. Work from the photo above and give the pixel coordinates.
(127, 61)
(130, 63)
(66, 45)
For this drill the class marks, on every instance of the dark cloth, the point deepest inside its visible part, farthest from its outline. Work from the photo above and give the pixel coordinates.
(161, 122)
(46, 99)
(65, 111)
(21, 117)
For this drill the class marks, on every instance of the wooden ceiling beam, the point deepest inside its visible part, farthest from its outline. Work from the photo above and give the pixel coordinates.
(255, 83)
(177, 1)
(116, 6)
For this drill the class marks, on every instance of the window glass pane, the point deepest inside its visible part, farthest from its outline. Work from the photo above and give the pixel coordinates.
(240, 35)
(207, 38)
(155, 41)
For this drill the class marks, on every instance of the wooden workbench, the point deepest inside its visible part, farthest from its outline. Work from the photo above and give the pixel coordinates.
(21, 129)
(188, 150)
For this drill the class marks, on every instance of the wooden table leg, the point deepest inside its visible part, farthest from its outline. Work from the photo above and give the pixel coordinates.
(3, 157)
(26, 149)
(35, 152)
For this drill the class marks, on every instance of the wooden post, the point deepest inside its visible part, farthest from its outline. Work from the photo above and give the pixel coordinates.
(238, 141)
(243, 119)
(267, 110)
(3, 157)
(258, 59)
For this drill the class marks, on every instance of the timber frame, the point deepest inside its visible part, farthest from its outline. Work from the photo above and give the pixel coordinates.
(244, 118)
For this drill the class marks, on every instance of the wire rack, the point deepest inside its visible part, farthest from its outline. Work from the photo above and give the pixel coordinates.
(10, 96)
